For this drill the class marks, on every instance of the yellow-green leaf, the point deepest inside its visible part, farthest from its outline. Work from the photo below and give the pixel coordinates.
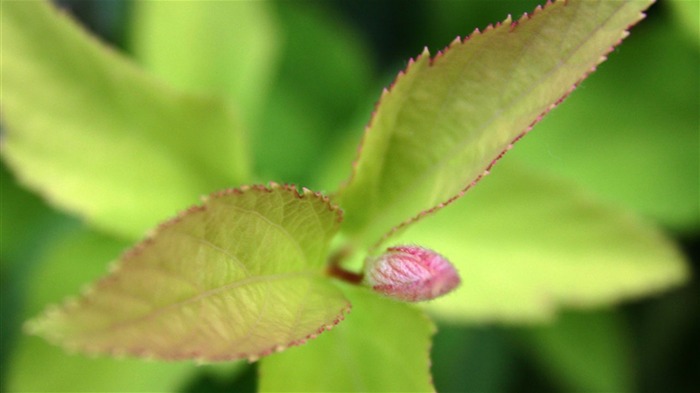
(223, 47)
(447, 119)
(383, 346)
(632, 139)
(241, 276)
(100, 138)
(68, 259)
(526, 244)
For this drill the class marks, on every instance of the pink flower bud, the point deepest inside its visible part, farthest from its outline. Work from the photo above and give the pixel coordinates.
(411, 273)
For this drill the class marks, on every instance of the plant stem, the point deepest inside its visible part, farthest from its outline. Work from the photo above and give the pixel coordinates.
(337, 271)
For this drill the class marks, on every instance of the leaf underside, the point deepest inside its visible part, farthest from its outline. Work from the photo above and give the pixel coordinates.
(238, 277)
(446, 120)
(384, 347)
(98, 137)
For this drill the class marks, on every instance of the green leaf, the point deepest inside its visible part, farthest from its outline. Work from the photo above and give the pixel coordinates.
(632, 139)
(587, 352)
(27, 226)
(324, 73)
(686, 14)
(100, 138)
(472, 359)
(383, 346)
(526, 244)
(40, 367)
(239, 277)
(24, 212)
(72, 257)
(445, 120)
(226, 47)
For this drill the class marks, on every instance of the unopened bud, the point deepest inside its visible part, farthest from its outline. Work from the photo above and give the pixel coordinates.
(411, 273)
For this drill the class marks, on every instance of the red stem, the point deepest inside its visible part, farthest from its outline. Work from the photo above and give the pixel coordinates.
(345, 275)
(335, 270)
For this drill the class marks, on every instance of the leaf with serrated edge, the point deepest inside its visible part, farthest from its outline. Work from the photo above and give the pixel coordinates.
(382, 348)
(526, 244)
(446, 120)
(624, 140)
(98, 137)
(69, 259)
(241, 276)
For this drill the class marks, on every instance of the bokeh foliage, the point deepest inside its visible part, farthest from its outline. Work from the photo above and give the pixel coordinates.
(649, 163)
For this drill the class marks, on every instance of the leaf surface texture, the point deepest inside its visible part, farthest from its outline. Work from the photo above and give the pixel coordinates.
(447, 119)
(238, 277)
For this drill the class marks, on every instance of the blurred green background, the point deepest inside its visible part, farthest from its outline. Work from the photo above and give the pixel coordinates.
(630, 134)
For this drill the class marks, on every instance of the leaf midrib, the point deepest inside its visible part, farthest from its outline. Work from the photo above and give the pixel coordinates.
(199, 297)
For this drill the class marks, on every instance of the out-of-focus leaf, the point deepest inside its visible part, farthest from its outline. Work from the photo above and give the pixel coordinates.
(383, 346)
(238, 277)
(667, 340)
(21, 212)
(75, 257)
(242, 379)
(525, 245)
(98, 137)
(586, 352)
(631, 135)
(26, 225)
(335, 163)
(445, 120)
(14, 276)
(226, 47)
(324, 74)
(687, 13)
(472, 359)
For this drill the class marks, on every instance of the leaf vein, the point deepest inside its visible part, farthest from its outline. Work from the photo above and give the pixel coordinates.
(211, 292)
